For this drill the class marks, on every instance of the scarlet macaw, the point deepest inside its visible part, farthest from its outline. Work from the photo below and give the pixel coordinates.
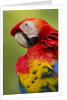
(37, 70)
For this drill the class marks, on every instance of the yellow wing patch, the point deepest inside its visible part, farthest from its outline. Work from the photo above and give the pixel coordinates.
(37, 78)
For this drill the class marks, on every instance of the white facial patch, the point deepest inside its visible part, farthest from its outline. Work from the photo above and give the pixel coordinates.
(20, 39)
(29, 29)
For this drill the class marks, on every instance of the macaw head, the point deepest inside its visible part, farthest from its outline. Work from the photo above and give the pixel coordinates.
(31, 30)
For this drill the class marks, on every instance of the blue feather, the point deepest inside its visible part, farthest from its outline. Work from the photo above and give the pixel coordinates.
(55, 67)
(21, 88)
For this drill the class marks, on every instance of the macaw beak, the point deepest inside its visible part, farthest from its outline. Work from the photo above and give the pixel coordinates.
(17, 33)
(21, 37)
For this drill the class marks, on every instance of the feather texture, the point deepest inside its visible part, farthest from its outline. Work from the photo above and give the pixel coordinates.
(38, 70)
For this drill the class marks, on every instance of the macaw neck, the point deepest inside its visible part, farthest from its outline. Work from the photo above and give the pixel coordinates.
(34, 48)
(40, 51)
(36, 52)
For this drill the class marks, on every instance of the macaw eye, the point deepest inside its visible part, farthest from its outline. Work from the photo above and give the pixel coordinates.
(26, 24)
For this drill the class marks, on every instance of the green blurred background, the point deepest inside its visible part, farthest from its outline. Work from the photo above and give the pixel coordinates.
(12, 50)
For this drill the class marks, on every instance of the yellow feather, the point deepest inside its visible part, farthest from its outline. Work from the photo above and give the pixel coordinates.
(32, 81)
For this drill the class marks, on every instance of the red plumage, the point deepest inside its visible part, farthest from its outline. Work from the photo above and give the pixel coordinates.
(46, 49)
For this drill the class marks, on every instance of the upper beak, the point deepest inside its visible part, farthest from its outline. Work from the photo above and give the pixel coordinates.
(18, 34)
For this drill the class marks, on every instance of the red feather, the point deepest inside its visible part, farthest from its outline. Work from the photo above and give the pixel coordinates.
(45, 50)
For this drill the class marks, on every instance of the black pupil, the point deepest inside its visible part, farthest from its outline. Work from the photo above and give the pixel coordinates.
(26, 24)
